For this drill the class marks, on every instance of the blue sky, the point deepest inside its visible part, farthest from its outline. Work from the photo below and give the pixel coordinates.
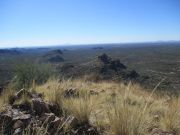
(51, 22)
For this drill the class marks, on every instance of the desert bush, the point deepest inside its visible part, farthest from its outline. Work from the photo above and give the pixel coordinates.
(27, 73)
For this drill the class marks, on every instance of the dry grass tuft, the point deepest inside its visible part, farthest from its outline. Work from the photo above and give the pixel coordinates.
(81, 107)
(171, 119)
(6, 97)
(127, 115)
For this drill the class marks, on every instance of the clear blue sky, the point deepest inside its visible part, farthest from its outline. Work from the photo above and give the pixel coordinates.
(47, 22)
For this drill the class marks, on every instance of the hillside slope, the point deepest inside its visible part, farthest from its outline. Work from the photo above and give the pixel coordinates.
(76, 107)
(102, 67)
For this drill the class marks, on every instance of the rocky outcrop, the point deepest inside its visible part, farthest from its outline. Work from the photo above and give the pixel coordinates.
(54, 52)
(114, 69)
(54, 56)
(39, 106)
(55, 59)
(108, 63)
(104, 58)
(101, 68)
(35, 115)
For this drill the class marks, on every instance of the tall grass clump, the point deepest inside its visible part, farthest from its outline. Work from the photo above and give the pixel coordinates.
(170, 121)
(126, 118)
(81, 107)
(6, 97)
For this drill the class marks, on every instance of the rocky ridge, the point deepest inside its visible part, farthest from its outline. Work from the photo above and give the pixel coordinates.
(102, 67)
(54, 56)
(35, 116)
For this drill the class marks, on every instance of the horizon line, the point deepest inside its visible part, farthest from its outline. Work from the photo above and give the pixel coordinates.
(84, 44)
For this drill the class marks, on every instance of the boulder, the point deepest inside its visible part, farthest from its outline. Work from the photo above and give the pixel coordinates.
(39, 106)
(55, 125)
(22, 116)
(18, 124)
(5, 119)
(18, 131)
(54, 108)
(26, 106)
(56, 122)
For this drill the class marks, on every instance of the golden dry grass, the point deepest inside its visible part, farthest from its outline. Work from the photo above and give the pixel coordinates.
(117, 109)
(5, 96)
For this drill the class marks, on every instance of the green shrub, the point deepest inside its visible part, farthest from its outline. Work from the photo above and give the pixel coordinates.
(28, 73)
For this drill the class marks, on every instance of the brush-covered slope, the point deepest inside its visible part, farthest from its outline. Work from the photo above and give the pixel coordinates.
(54, 56)
(102, 67)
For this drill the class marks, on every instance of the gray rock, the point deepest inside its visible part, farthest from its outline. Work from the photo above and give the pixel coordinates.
(22, 117)
(56, 122)
(18, 124)
(18, 131)
(5, 118)
(39, 106)
(48, 117)
(54, 108)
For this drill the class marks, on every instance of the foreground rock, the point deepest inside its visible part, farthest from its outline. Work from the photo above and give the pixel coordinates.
(40, 117)
(39, 106)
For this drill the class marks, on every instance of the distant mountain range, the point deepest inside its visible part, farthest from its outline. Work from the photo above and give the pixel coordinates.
(160, 42)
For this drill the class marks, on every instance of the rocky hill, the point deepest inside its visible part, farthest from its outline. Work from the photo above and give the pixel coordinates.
(102, 67)
(54, 56)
